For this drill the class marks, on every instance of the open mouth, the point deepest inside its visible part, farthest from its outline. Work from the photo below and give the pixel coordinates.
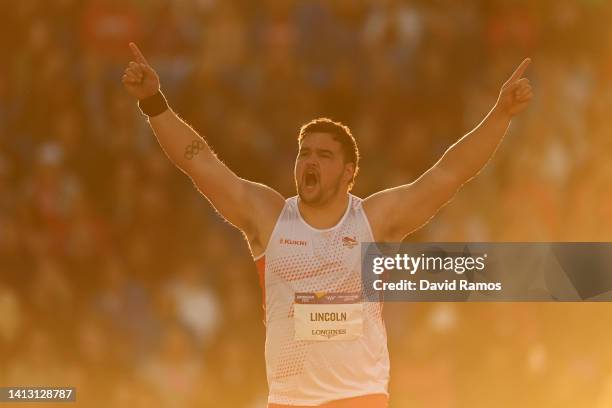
(310, 179)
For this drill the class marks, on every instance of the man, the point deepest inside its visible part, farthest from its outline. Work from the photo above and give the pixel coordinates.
(324, 345)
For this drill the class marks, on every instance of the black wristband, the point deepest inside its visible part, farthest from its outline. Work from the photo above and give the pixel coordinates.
(153, 105)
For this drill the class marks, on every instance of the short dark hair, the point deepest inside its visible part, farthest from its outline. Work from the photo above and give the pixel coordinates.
(340, 133)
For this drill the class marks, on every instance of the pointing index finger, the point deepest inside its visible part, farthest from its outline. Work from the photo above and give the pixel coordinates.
(518, 73)
(137, 54)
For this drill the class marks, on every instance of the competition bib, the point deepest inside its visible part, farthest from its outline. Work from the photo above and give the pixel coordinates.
(328, 316)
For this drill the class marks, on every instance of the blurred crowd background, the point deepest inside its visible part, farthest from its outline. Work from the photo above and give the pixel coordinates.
(117, 278)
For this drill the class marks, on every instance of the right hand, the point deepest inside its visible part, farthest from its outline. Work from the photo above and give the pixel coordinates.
(140, 79)
(516, 93)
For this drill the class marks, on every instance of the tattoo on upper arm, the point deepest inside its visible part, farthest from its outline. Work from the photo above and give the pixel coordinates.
(193, 149)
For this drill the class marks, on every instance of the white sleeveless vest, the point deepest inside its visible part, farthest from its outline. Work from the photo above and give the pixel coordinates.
(302, 259)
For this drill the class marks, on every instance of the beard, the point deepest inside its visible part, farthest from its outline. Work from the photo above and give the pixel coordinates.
(320, 196)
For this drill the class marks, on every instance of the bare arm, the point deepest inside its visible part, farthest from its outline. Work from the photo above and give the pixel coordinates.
(249, 206)
(398, 211)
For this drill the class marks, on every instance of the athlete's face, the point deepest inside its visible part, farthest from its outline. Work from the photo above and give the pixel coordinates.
(320, 169)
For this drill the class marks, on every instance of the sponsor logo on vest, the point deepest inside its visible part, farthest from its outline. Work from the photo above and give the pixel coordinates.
(329, 333)
(285, 241)
(349, 242)
(328, 317)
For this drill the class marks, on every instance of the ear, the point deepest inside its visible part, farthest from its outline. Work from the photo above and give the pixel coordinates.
(349, 170)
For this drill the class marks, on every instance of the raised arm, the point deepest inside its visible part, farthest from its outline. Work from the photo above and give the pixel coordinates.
(396, 212)
(249, 206)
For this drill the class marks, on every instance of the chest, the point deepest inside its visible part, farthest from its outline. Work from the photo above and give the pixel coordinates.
(300, 253)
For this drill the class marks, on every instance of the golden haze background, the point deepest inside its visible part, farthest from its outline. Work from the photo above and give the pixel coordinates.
(117, 278)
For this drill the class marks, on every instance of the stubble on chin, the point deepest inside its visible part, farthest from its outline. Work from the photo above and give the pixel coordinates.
(318, 198)
(315, 199)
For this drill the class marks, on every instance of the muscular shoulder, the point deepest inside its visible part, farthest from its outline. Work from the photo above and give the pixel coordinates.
(267, 205)
(379, 208)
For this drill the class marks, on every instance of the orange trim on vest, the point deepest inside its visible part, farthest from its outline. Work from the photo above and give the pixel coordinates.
(260, 264)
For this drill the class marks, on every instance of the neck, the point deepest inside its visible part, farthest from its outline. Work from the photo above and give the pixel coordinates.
(326, 215)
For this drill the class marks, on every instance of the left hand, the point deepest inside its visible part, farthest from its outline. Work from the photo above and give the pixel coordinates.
(516, 93)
